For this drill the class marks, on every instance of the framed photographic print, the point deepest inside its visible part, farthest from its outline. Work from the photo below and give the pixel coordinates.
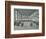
(24, 19)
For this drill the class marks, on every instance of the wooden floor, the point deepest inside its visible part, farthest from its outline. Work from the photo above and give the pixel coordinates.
(26, 26)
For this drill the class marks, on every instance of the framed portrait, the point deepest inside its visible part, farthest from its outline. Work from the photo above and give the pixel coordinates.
(24, 19)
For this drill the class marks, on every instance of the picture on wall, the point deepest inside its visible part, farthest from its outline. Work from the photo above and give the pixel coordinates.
(24, 19)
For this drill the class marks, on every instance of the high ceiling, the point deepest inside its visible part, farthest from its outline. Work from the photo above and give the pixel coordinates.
(26, 11)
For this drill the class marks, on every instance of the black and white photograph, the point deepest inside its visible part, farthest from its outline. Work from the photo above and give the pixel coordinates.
(26, 19)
